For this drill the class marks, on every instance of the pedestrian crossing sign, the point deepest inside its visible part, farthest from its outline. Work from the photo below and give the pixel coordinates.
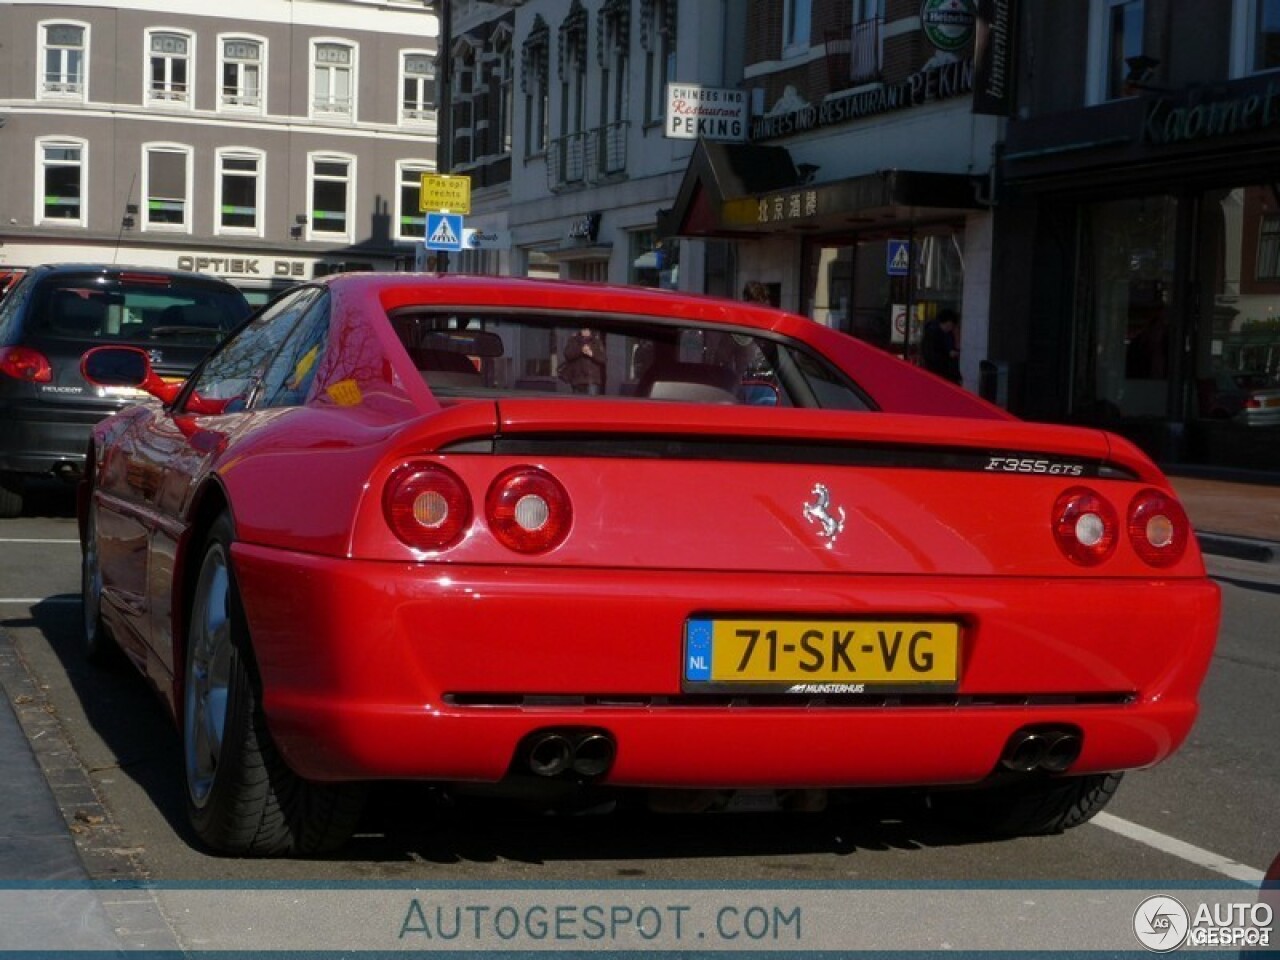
(898, 258)
(444, 231)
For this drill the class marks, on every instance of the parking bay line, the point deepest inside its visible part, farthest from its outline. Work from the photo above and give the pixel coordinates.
(1179, 848)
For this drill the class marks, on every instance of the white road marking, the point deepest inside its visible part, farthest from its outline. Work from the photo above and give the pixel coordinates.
(1180, 848)
(21, 540)
(28, 601)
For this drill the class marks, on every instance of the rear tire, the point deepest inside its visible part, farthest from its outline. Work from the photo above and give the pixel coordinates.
(242, 798)
(99, 647)
(11, 495)
(1027, 808)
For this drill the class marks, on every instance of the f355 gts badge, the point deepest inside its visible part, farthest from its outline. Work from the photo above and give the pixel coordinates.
(819, 512)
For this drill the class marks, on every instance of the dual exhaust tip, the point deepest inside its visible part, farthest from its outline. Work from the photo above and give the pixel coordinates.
(1050, 749)
(584, 753)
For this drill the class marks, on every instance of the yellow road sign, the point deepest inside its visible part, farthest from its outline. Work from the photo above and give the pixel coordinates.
(445, 193)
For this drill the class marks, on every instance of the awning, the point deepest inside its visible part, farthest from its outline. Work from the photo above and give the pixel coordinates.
(594, 251)
(754, 190)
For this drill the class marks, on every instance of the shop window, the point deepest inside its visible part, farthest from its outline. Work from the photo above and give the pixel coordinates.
(330, 192)
(411, 222)
(166, 187)
(1269, 247)
(1123, 342)
(239, 198)
(60, 191)
(883, 290)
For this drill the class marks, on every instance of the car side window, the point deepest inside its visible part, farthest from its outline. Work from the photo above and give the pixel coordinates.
(11, 310)
(289, 377)
(239, 367)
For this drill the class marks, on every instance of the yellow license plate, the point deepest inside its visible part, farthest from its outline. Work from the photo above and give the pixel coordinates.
(834, 656)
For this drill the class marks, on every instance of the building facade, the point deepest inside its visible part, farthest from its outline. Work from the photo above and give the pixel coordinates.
(266, 142)
(1139, 264)
(557, 114)
(862, 196)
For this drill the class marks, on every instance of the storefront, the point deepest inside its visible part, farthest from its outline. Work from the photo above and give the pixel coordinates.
(1152, 286)
(260, 274)
(878, 255)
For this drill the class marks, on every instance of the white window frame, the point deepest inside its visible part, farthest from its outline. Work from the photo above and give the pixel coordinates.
(188, 200)
(260, 183)
(405, 169)
(229, 103)
(537, 103)
(1244, 39)
(504, 72)
(426, 111)
(43, 92)
(659, 67)
(41, 144)
(185, 100)
(353, 69)
(1096, 91)
(797, 27)
(327, 156)
(615, 77)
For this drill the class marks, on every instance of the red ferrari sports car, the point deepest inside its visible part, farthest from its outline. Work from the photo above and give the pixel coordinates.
(494, 531)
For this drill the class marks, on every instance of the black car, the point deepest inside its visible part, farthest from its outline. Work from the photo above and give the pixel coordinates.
(52, 316)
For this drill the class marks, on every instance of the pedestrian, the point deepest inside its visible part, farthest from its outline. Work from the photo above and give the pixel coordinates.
(940, 347)
(756, 292)
(584, 363)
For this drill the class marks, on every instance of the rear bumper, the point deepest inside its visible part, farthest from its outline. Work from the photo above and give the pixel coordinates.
(383, 670)
(46, 438)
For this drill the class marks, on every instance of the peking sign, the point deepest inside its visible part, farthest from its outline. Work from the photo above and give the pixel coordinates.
(712, 113)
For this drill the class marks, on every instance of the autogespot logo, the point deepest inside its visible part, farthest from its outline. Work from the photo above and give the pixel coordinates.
(1161, 924)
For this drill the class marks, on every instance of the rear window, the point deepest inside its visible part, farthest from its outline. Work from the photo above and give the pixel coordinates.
(482, 354)
(138, 308)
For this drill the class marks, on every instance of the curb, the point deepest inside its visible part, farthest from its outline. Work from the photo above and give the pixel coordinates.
(1239, 548)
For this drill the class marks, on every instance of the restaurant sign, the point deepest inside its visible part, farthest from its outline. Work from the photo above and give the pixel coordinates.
(939, 82)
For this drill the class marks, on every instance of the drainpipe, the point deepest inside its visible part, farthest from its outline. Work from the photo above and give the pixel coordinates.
(444, 107)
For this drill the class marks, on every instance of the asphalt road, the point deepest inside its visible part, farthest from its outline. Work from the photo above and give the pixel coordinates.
(1206, 816)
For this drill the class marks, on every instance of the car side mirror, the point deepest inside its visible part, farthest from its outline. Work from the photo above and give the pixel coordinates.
(115, 367)
(125, 367)
(759, 393)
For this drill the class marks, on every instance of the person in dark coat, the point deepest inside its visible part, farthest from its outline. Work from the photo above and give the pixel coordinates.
(584, 363)
(939, 347)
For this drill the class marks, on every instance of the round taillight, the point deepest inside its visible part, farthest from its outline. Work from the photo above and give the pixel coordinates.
(426, 506)
(23, 363)
(1158, 528)
(1085, 526)
(528, 510)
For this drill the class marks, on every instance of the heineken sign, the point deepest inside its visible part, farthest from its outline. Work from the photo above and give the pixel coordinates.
(948, 24)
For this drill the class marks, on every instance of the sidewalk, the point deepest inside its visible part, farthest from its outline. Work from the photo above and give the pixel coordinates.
(1233, 519)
